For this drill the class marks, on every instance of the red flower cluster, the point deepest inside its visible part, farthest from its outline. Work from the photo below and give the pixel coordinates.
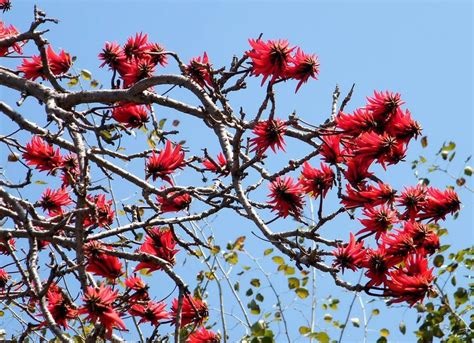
(274, 58)
(198, 69)
(61, 308)
(101, 213)
(131, 115)
(316, 182)
(59, 64)
(269, 135)
(53, 201)
(165, 163)
(139, 287)
(174, 202)
(100, 263)
(194, 311)
(135, 60)
(7, 32)
(218, 167)
(203, 336)
(42, 155)
(286, 197)
(98, 306)
(4, 278)
(159, 243)
(152, 312)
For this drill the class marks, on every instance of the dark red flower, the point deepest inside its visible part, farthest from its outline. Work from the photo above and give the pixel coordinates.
(153, 312)
(412, 282)
(219, 166)
(139, 286)
(304, 66)
(269, 135)
(412, 198)
(4, 277)
(330, 149)
(156, 53)
(286, 197)
(203, 336)
(379, 220)
(61, 308)
(112, 55)
(131, 115)
(198, 69)
(98, 305)
(165, 163)
(315, 181)
(53, 201)
(357, 170)
(58, 63)
(369, 195)
(350, 255)
(377, 262)
(398, 245)
(355, 124)
(4, 243)
(439, 203)
(136, 47)
(136, 70)
(371, 146)
(7, 32)
(159, 243)
(101, 213)
(194, 311)
(100, 263)
(403, 127)
(42, 155)
(5, 5)
(70, 170)
(270, 58)
(173, 202)
(32, 69)
(383, 105)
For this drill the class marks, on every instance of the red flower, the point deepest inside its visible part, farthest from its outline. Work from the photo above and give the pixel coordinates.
(403, 127)
(355, 124)
(70, 170)
(371, 145)
(377, 262)
(42, 155)
(193, 311)
(136, 70)
(32, 69)
(439, 203)
(203, 336)
(133, 116)
(139, 286)
(172, 202)
(152, 312)
(379, 220)
(369, 195)
(159, 243)
(357, 170)
(99, 307)
(330, 149)
(4, 243)
(269, 135)
(315, 181)
(383, 104)
(198, 69)
(286, 197)
(60, 307)
(411, 283)
(101, 214)
(112, 55)
(398, 245)
(136, 47)
(100, 263)
(165, 163)
(305, 66)
(270, 58)
(4, 277)
(350, 255)
(156, 53)
(412, 198)
(59, 64)
(5, 5)
(52, 201)
(219, 166)
(7, 32)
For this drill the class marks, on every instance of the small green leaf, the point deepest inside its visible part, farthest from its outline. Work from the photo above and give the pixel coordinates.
(424, 141)
(40, 182)
(302, 293)
(375, 312)
(293, 282)
(303, 330)
(254, 308)
(94, 84)
(259, 297)
(355, 322)
(321, 337)
(255, 282)
(327, 317)
(72, 82)
(438, 261)
(267, 251)
(86, 74)
(468, 170)
(161, 123)
(402, 327)
(278, 259)
(450, 147)
(384, 332)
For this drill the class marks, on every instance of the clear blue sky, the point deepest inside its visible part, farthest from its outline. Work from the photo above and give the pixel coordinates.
(422, 49)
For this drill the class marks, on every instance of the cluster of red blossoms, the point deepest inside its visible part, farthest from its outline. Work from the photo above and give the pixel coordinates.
(377, 133)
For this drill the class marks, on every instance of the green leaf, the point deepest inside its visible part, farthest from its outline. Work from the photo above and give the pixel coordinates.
(86, 74)
(267, 251)
(460, 181)
(468, 170)
(40, 182)
(237, 286)
(258, 328)
(231, 257)
(321, 337)
(94, 83)
(450, 147)
(424, 141)
(293, 282)
(259, 297)
(254, 308)
(402, 327)
(327, 317)
(460, 296)
(72, 82)
(384, 332)
(375, 312)
(161, 123)
(278, 259)
(303, 330)
(302, 293)
(289, 270)
(255, 282)
(438, 261)
(355, 322)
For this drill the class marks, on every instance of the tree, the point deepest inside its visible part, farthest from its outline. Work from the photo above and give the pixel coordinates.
(78, 266)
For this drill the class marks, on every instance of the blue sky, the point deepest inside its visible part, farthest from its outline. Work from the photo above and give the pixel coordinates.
(422, 49)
